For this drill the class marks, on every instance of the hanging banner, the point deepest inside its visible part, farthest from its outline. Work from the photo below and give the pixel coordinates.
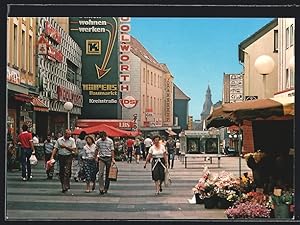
(98, 40)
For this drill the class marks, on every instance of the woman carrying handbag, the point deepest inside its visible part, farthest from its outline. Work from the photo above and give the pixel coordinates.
(159, 164)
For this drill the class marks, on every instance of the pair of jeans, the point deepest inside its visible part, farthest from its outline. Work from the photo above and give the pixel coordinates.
(26, 166)
(129, 154)
(171, 158)
(104, 163)
(65, 165)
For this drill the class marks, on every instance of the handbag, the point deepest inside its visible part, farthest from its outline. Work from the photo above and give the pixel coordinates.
(167, 180)
(33, 160)
(113, 172)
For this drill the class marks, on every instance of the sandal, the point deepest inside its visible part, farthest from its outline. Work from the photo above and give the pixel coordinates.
(87, 191)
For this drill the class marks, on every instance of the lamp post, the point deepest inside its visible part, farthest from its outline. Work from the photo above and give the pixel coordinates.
(68, 106)
(264, 65)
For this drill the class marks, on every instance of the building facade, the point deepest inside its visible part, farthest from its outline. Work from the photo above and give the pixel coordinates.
(59, 74)
(262, 42)
(286, 57)
(151, 84)
(22, 95)
(181, 108)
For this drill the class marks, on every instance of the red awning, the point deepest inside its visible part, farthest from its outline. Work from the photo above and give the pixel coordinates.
(110, 131)
(38, 105)
(23, 98)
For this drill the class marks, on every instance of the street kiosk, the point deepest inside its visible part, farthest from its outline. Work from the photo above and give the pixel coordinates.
(200, 144)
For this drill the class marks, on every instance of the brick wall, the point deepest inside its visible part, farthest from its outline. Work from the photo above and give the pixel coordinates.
(248, 142)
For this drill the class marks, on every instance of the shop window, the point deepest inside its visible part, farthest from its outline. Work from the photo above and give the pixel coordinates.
(15, 46)
(71, 72)
(23, 56)
(287, 37)
(30, 55)
(287, 79)
(275, 40)
(291, 35)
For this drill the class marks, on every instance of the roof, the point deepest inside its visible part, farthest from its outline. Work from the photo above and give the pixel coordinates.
(138, 49)
(178, 93)
(254, 37)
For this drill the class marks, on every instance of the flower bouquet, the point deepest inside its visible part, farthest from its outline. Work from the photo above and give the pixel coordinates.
(247, 209)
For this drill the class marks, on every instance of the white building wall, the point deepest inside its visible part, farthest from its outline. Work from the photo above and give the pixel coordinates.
(286, 53)
(253, 81)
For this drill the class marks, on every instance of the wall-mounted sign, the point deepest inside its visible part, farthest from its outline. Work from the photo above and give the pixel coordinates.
(236, 92)
(66, 95)
(52, 32)
(98, 39)
(168, 101)
(128, 102)
(124, 57)
(12, 75)
(249, 98)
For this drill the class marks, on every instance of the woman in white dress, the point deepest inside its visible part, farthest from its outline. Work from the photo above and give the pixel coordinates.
(89, 163)
(157, 153)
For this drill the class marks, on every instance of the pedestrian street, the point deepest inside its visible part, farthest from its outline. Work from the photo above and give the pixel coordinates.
(131, 197)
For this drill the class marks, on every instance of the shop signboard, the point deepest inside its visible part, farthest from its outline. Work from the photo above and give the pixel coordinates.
(98, 39)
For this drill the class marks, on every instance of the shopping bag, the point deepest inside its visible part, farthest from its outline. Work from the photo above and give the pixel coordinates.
(49, 164)
(113, 172)
(33, 160)
(167, 180)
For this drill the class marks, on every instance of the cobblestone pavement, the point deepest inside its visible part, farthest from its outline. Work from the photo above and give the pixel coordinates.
(130, 198)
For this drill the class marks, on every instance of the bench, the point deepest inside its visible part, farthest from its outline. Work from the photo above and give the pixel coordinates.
(210, 156)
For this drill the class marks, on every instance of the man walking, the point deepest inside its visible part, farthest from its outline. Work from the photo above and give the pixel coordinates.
(170, 145)
(27, 149)
(129, 145)
(65, 146)
(105, 153)
(48, 148)
(148, 143)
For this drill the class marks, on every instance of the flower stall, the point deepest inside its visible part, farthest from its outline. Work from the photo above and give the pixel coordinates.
(217, 190)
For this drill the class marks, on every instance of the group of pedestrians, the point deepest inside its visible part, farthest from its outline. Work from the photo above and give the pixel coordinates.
(86, 157)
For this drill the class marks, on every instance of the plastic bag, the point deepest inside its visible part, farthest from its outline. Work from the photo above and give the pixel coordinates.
(33, 160)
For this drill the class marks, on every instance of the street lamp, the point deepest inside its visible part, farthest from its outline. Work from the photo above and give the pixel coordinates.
(264, 65)
(68, 106)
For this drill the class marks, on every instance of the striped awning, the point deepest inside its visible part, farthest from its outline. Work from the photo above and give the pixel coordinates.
(234, 113)
(36, 103)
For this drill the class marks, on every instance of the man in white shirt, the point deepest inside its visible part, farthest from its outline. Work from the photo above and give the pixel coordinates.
(148, 143)
(106, 154)
(65, 146)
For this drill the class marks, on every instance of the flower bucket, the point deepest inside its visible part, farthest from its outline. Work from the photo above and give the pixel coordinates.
(281, 211)
(223, 203)
(211, 202)
(198, 199)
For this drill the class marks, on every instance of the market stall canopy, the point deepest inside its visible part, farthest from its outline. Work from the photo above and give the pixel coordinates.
(234, 113)
(110, 131)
